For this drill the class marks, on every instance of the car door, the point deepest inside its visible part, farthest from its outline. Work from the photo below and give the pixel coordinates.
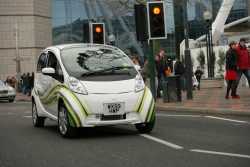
(54, 80)
(40, 79)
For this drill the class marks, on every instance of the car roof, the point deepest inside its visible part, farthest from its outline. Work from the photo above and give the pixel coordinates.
(84, 45)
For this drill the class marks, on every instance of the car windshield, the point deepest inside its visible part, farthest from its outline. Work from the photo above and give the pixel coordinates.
(93, 61)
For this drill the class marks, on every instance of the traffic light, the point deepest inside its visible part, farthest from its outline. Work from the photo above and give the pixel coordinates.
(141, 22)
(97, 33)
(156, 20)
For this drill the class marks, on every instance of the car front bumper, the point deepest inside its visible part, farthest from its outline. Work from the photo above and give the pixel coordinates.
(7, 96)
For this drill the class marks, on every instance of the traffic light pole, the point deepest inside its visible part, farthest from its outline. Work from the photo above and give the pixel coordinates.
(151, 61)
(188, 62)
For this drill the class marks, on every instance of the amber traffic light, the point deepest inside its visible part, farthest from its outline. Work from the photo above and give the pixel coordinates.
(156, 20)
(156, 10)
(97, 31)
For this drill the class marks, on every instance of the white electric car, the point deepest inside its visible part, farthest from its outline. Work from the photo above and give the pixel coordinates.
(87, 85)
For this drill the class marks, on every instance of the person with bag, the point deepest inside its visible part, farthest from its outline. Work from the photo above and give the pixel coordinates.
(243, 61)
(231, 71)
(198, 74)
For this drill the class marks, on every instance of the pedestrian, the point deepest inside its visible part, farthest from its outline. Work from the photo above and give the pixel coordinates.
(146, 75)
(231, 71)
(160, 67)
(198, 74)
(23, 77)
(13, 82)
(31, 83)
(136, 63)
(179, 70)
(8, 80)
(243, 61)
(26, 83)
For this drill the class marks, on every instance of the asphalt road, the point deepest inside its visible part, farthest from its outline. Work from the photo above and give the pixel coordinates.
(179, 140)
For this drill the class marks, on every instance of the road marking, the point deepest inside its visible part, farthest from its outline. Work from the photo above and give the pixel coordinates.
(178, 115)
(174, 146)
(27, 112)
(220, 153)
(27, 116)
(226, 119)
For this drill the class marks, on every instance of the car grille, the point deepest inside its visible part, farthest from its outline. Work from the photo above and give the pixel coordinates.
(3, 91)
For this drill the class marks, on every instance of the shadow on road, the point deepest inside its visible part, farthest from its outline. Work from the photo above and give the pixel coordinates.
(98, 132)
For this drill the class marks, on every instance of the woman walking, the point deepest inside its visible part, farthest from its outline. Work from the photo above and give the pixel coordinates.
(231, 71)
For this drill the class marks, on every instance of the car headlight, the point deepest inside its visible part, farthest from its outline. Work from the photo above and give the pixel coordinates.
(11, 90)
(76, 86)
(139, 83)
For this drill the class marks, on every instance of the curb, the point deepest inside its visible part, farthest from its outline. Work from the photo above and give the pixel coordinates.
(218, 111)
(22, 100)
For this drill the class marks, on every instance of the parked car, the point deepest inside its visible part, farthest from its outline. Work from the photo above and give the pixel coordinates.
(87, 85)
(7, 92)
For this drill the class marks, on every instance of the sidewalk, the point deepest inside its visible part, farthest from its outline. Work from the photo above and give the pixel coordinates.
(211, 100)
(22, 97)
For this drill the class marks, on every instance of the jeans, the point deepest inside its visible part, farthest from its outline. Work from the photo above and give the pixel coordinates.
(246, 73)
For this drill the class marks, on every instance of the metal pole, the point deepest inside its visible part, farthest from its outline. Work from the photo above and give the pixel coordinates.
(188, 62)
(212, 51)
(18, 60)
(209, 51)
(151, 61)
(207, 55)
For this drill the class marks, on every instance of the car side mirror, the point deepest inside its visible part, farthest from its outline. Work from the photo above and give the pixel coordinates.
(48, 71)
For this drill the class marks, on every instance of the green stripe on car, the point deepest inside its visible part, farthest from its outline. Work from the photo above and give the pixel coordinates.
(71, 111)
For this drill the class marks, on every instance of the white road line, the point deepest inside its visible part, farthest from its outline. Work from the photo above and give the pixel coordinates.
(174, 146)
(226, 119)
(220, 153)
(27, 116)
(178, 115)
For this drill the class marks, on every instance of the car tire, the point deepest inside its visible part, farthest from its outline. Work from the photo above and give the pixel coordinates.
(37, 121)
(146, 127)
(64, 127)
(11, 100)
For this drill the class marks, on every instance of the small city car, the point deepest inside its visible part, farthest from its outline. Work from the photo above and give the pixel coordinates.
(87, 85)
(7, 92)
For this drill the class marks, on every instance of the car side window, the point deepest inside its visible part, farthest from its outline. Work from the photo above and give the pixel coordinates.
(53, 63)
(41, 62)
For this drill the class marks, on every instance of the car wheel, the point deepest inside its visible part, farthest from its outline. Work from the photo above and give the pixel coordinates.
(63, 123)
(11, 100)
(146, 127)
(37, 121)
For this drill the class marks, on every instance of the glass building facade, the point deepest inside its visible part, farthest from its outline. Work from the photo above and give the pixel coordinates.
(68, 17)
(196, 9)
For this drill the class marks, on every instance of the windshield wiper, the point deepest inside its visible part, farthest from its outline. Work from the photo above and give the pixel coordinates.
(112, 69)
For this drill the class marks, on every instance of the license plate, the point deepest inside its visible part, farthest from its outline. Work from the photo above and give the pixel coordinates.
(114, 108)
(113, 117)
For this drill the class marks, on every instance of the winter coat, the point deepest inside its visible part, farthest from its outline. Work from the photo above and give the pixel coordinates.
(243, 59)
(231, 59)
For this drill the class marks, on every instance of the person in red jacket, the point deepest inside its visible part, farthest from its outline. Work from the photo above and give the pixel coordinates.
(243, 61)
